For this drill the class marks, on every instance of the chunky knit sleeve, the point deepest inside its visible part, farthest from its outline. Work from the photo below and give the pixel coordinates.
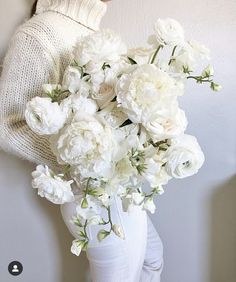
(25, 68)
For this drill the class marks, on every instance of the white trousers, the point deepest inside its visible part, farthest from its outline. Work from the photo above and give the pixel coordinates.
(138, 258)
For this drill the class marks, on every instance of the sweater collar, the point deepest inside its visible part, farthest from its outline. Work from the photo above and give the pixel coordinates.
(86, 12)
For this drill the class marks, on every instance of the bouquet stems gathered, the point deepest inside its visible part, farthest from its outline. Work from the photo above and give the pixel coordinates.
(114, 122)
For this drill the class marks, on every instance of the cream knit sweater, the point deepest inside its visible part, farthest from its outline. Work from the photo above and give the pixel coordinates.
(38, 53)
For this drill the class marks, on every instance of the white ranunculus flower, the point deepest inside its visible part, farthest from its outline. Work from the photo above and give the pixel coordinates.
(43, 116)
(99, 47)
(76, 104)
(140, 55)
(184, 157)
(76, 247)
(118, 230)
(166, 126)
(146, 90)
(168, 32)
(149, 205)
(89, 145)
(51, 186)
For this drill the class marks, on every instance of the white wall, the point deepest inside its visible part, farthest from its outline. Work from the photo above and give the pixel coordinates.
(196, 217)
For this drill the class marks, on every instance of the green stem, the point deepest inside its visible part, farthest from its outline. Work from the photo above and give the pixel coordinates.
(109, 217)
(172, 54)
(85, 231)
(155, 54)
(199, 78)
(87, 186)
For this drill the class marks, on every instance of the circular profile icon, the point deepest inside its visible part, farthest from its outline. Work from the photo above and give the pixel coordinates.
(15, 268)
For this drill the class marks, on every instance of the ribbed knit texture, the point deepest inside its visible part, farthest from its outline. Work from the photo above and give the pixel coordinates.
(39, 53)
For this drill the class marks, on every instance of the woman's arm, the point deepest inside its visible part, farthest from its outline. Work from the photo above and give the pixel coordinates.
(25, 69)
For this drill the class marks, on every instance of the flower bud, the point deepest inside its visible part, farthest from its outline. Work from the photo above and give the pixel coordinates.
(216, 87)
(102, 234)
(84, 203)
(118, 230)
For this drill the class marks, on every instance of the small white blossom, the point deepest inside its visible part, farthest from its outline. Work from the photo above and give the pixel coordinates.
(76, 247)
(149, 205)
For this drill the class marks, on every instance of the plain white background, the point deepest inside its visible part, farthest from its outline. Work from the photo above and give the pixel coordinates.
(196, 217)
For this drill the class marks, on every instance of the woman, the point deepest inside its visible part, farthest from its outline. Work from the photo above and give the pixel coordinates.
(39, 53)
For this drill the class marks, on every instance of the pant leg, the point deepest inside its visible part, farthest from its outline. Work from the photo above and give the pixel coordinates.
(114, 259)
(153, 261)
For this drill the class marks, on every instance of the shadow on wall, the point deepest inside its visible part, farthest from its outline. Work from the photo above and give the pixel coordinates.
(72, 268)
(223, 236)
(16, 192)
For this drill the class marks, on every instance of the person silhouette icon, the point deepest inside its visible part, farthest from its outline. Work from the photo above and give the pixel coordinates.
(15, 268)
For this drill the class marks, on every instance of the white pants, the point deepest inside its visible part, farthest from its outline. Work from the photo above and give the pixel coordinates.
(138, 258)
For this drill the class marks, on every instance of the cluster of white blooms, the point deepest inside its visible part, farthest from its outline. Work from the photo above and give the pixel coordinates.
(115, 122)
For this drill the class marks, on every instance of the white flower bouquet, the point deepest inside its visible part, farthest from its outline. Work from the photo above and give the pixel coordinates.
(114, 122)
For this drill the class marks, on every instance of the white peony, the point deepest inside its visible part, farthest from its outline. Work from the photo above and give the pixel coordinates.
(184, 157)
(43, 116)
(51, 186)
(168, 32)
(78, 105)
(99, 47)
(87, 144)
(166, 125)
(146, 90)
